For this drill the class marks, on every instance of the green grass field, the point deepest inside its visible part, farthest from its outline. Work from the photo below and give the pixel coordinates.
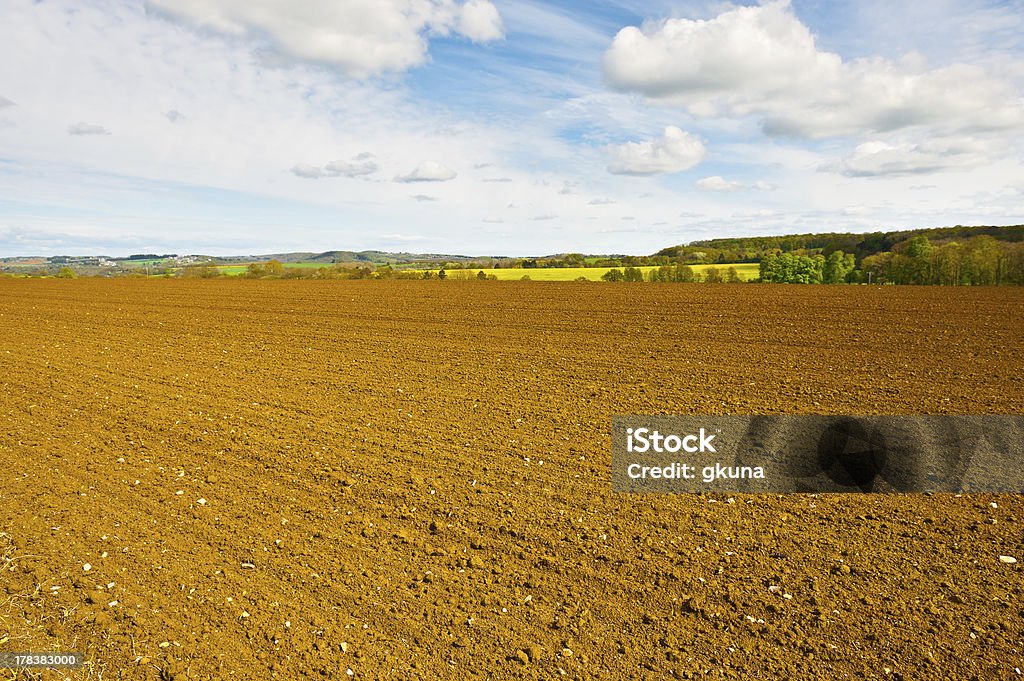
(149, 262)
(746, 272)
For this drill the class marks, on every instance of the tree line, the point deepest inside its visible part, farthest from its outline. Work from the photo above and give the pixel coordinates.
(977, 261)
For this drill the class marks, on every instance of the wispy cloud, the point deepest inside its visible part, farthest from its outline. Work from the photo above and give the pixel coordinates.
(87, 129)
(362, 164)
(428, 171)
(359, 38)
(306, 171)
(717, 183)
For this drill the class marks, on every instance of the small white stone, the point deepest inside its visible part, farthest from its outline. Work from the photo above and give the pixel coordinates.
(201, 501)
(1007, 559)
(86, 567)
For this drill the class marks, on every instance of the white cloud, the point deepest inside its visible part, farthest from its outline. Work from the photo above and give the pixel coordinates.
(601, 202)
(480, 22)
(362, 164)
(359, 37)
(881, 158)
(309, 172)
(673, 152)
(174, 115)
(424, 197)
(4, 102)
(717, 183)
(87, 129)
(763, 61)
(429, 171)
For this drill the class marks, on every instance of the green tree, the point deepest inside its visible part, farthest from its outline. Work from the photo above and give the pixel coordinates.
(632, 274)
(946, 265)
(66, 273)
(877, 268)
(273, 268)
(442, 274)
(982, 261)
(613, 275)
(201, 272)
(838, 266)
(713, 276)
(919, 268)
(770, 268)
(481, 275)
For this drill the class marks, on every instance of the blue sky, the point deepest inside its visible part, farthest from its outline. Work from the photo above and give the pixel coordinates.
(500, 126)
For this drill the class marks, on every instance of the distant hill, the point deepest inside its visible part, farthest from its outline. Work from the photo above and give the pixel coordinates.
(375, 257)
(750, 249)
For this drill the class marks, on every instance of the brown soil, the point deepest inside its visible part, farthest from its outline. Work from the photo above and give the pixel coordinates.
(411, 480)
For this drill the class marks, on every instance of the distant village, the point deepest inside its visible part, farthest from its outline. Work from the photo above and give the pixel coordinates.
(146, 263)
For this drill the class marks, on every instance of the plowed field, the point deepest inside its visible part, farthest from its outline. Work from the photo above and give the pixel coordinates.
(276, 479)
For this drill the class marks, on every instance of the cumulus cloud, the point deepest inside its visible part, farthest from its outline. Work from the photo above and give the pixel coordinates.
(307, 171)
(479, 21)
(673, 152)
(87, 129)
(361, 164)
(359, 37)
(174, 115)
(424, 197)
(877, 158)
(763, 61)
(4, 102)
(600, 202)
(428, 171)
